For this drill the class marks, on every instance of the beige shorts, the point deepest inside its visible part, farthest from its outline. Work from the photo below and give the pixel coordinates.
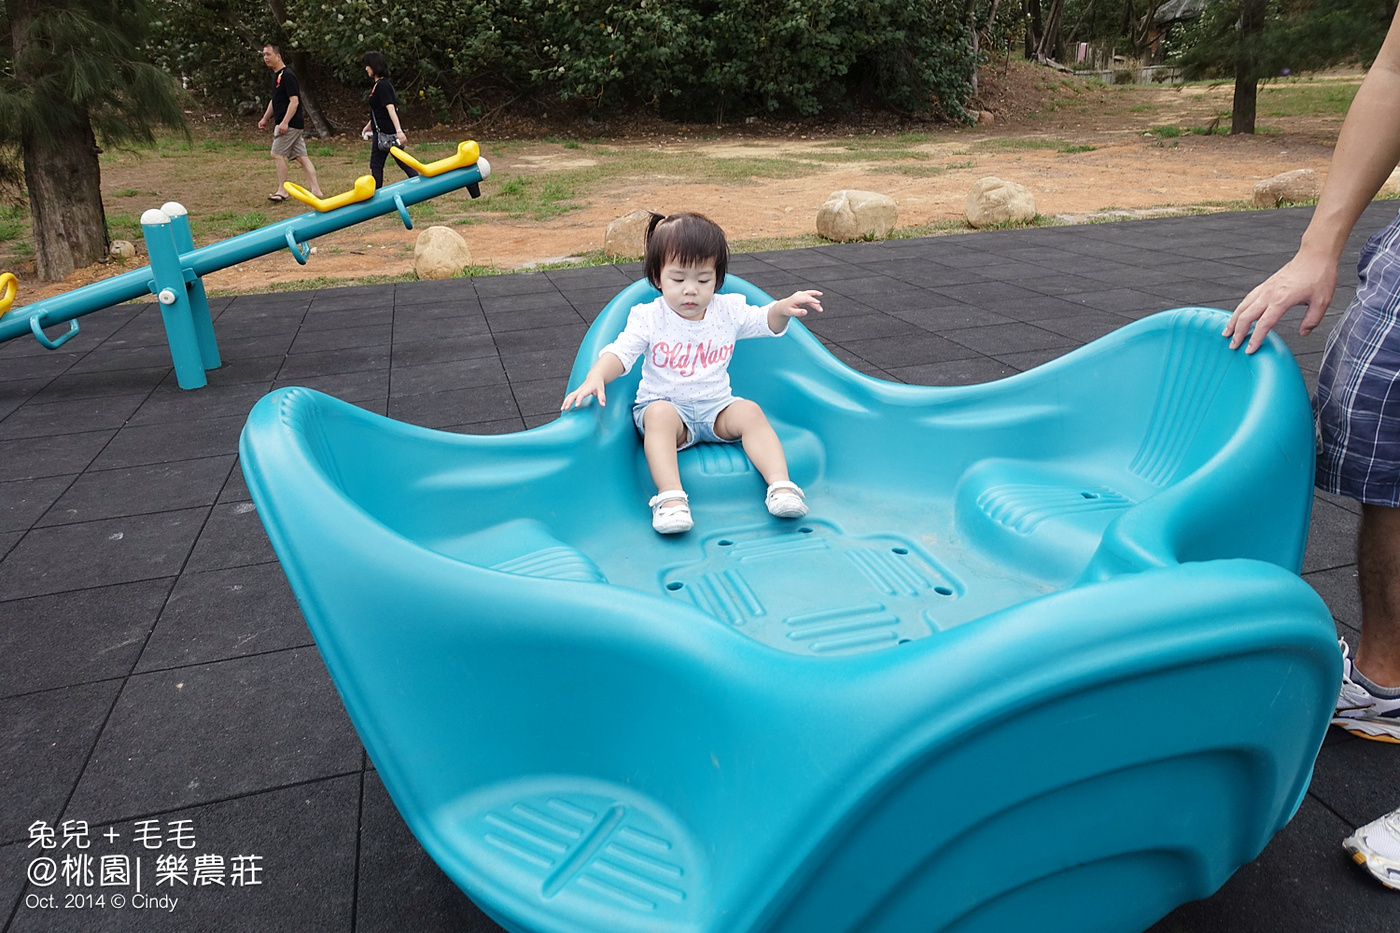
(289, 145)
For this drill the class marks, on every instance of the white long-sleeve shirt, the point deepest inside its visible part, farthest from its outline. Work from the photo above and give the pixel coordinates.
(685, 360)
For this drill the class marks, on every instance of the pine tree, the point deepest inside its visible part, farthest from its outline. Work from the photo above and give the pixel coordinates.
(1254, 40)
(74, 74)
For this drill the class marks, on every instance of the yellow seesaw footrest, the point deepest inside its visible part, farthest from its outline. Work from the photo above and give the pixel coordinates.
(467, 154)
(363, 191)
(9, 287)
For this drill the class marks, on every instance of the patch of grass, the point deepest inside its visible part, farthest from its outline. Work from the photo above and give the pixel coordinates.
(1305, 100)
(582, 260)
(1039, 220)
(322, 149)
(1166, 132)
(851, 154)
(317, 283)
(477, 271)
(124, 227)
(12, 222)
(1215, 129)
(222, 224)
(212, 145)
(1027, 143)
(913, 171)
(1070, 150)
(1142, 108)
(524, 196)
(125, 193)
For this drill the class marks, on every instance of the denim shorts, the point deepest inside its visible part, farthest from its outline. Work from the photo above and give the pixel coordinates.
(699, 417)
(1358, 390)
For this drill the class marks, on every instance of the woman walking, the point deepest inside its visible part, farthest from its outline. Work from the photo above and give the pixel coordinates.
(383, 129)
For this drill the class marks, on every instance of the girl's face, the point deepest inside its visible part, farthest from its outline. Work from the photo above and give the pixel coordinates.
(688, 288)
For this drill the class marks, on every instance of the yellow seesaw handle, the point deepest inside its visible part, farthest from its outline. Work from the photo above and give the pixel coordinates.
(467, 154)
(9, 288)
(363, 191)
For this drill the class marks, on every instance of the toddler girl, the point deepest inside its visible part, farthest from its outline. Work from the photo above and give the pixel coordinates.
(687, 336)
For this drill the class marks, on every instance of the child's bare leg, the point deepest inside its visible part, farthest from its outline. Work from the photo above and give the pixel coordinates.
(665, 432)
(745, 420)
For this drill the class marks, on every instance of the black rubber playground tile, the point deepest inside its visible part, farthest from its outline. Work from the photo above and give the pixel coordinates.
(50, 456)
(221, 614)
(138, 490)
(45, 739)
(232, 537)
(194, 735)
(23, 502)
(118, 550)
(90, 414)
(65, 639)
(285, 863)
(401, 888)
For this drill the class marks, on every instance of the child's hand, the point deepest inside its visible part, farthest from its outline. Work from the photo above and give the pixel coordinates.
(592, 385)
(791, 306)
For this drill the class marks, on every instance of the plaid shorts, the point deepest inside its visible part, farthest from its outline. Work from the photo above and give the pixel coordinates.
(1358, 388)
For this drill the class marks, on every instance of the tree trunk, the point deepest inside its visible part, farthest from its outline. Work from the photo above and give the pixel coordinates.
(63, 178)
(65, 201)
(1246, 95)
(1050, 39)
(1035, 30)
(320, 126)
(1251, 23)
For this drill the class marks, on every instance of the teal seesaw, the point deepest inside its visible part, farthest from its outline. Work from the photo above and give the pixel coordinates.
(176, 270)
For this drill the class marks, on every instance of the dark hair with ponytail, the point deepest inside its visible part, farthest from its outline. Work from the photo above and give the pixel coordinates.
(685, 239)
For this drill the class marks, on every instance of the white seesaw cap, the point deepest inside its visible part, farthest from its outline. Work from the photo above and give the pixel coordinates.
(484, 167)
(174, 209)
(154, 216)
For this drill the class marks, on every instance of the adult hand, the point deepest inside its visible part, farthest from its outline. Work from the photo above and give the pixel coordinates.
(1308, 279)
(262, 124)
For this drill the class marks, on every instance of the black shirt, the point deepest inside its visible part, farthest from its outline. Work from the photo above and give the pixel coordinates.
(380, 98)
(284, 88)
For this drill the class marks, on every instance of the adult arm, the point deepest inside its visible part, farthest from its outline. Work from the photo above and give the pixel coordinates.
(1368, 149)
(267, 115)
(398, 127)
(292, 103)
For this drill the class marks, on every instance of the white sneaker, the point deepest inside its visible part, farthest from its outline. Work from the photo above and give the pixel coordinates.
(785, 500)
(1360, 712)
(672, 517)
(1376, 847)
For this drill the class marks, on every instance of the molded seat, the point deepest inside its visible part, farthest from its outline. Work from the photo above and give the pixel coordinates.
(1039, 658)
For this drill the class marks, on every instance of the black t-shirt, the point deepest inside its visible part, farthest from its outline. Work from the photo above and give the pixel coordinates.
(284, 88)
(380, 98)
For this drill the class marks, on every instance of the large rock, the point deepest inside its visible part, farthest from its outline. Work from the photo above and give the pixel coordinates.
(122, 249)
(993, 201)
(626, 237)
(856, 215)
(1288, 188)
(440, 253)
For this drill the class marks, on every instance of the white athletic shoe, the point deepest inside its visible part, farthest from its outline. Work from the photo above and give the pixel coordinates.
(1361, 713)
(1376, 847)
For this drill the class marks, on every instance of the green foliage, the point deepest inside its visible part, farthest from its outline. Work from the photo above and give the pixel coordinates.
(66, 61)
(1295, 35)
(708, 59)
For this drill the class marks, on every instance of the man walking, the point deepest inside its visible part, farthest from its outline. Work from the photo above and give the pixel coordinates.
(284, 112)
(1358, 409)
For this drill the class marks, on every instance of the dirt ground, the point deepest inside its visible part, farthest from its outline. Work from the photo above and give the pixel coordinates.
(1086, 151)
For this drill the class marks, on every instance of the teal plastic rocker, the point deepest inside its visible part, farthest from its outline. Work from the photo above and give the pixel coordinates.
(1038, 659)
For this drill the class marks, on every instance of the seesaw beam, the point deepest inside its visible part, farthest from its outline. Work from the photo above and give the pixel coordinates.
(176, 270)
